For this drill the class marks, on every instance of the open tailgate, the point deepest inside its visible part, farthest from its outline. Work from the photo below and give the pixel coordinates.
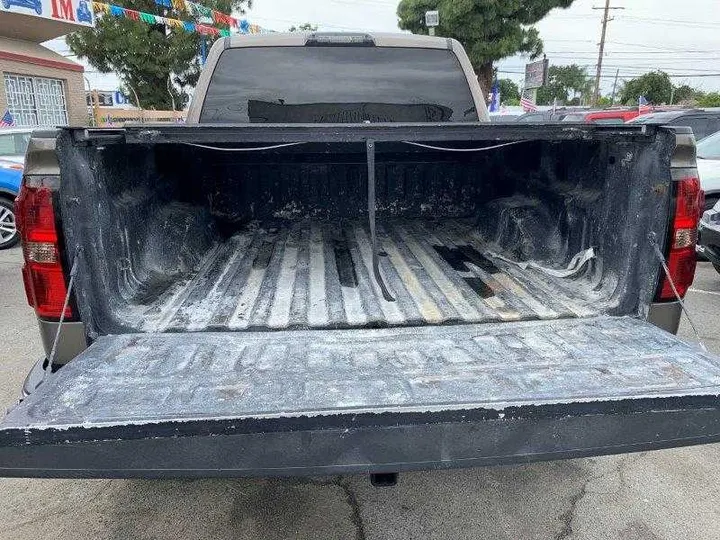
(382, 400)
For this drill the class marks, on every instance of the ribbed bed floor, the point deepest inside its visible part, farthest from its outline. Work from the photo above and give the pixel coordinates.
(319, 275)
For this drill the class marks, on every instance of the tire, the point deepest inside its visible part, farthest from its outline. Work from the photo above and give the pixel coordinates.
(9, 235)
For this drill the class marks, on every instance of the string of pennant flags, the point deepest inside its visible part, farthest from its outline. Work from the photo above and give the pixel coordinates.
(241, 26)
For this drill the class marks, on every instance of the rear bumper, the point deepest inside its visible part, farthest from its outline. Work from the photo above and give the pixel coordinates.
(393, 443)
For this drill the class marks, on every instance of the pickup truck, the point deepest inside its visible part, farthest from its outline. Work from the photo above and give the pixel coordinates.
(338, 265)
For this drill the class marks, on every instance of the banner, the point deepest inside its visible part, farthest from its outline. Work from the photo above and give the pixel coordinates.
(68, 11)
(241, 26)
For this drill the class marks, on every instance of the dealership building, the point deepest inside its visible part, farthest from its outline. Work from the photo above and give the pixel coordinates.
(40, 87)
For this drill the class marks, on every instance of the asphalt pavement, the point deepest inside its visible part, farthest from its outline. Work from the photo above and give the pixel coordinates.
(666, 494)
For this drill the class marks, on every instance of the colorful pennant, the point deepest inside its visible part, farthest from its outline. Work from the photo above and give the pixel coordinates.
(218, 18)
(198, 10)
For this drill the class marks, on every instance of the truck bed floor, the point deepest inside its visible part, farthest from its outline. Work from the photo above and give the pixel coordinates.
(313, 274)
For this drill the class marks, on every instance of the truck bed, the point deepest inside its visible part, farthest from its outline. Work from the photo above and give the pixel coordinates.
(313, 274)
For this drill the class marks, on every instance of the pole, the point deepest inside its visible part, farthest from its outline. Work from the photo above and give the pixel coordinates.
(596, 94)
(672, 95)
(96, 108)
(431, 30)
(617, 73)
(606, 19)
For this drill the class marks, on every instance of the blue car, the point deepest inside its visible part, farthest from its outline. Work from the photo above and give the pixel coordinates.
(32, 4)
(83, 12)
(10, 178)
(13, 144)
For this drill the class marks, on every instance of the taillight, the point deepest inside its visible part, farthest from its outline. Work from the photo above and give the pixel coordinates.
(43, 274)
(681, 257)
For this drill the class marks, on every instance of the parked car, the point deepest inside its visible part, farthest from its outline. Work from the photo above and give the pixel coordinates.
(709, 236)
(13, 143)
(504, 118)
(605, 116)
(543, 117)
(702, 121)
(367, 278)
(35, 5)
(10, 179)
(708, 164)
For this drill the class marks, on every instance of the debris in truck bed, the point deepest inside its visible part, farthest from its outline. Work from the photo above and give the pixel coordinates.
(313, 274)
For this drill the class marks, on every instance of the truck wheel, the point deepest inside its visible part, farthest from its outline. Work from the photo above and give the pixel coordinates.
(9, 235)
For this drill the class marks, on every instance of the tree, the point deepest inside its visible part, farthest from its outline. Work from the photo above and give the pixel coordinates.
(654, 86)
(566, 84)
(156, 64)
(304, 27)
(509, 91)
(711, 99)
(685, 93)
(488, 29)
(604, 101)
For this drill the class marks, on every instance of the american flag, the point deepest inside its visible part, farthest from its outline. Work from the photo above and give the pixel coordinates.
(643, 106)
(527, 104)
(7, 120)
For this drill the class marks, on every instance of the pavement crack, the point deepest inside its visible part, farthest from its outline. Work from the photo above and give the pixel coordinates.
(569, 515)
(354, 508)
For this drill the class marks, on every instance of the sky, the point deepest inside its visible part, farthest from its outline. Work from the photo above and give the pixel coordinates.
(681, 38)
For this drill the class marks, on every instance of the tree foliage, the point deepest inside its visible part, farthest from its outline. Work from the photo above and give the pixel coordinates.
(149, 60)
(509, 91)
(304, 27)
(488, 29)
(566, 84)
(655, 86)
(711, 99)
(685, 93)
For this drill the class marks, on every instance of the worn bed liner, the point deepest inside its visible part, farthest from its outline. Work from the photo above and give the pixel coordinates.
(315, 274)
(301, 402)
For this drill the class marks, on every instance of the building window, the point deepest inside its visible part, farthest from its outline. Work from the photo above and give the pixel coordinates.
(36, 101)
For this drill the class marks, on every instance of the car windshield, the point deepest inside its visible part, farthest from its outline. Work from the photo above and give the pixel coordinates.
(339, 85)
(13, 144)
(709, 147)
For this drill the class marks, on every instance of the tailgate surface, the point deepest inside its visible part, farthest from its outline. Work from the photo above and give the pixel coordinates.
(140, 378)
(310, 402)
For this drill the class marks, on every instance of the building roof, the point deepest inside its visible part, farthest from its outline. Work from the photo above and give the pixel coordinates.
(34, 53)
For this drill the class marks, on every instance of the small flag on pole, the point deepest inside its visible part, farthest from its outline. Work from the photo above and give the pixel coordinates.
(643, 105)
(527, 104)
(7, 120)
(495, 98)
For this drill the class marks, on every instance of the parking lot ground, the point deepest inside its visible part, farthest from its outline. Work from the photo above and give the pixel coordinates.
(654, 495)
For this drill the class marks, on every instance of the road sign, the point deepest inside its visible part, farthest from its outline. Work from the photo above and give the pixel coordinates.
(536, 74)
(432, 19)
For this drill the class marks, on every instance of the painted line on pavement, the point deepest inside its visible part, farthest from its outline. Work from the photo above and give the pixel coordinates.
(715, 293)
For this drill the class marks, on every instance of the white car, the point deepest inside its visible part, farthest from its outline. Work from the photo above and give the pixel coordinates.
(708, 164)
(13, 143)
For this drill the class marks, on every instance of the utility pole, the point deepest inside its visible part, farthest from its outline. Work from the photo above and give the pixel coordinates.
(605, 20)
(617, 74)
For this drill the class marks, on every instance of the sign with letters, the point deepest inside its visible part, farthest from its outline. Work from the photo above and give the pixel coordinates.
(70, 11)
